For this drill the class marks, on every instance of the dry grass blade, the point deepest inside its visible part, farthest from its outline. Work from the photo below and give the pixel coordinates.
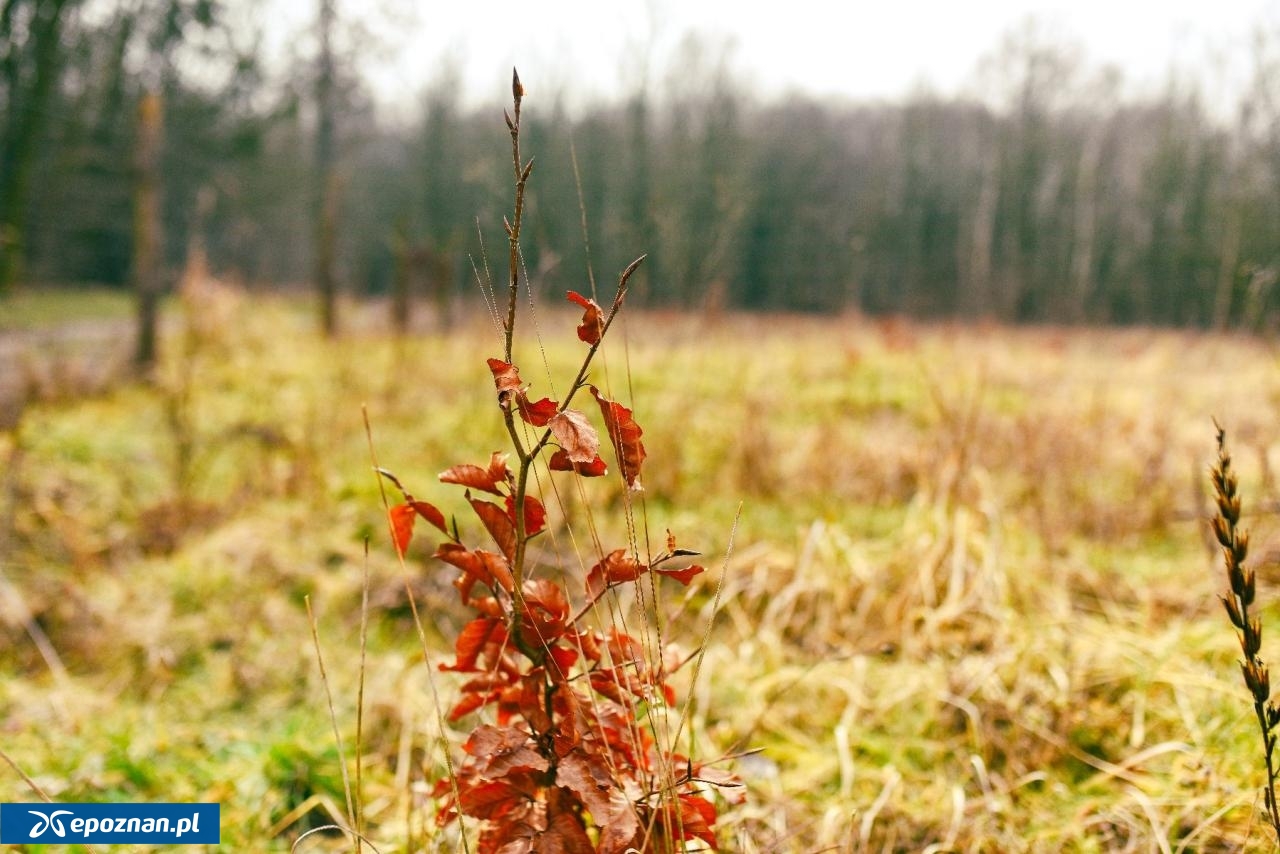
(333, 716)
(35, 787)
(325, 828)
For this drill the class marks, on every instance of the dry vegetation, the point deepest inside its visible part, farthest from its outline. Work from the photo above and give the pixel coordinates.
(972, 606)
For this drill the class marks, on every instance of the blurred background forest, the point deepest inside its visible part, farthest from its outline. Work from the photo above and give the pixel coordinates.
(1047, 197)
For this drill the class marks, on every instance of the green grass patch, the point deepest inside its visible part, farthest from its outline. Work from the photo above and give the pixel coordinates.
(38, 307)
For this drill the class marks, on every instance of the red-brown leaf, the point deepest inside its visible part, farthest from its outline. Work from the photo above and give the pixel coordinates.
(617, 567)
(472, 640)
(498, 469)
(491, 799)
(565, 835)
(469, 702)
(596, 582)
(546, 610)
(506, 378)
(497, 568)
(480, 565)
(605, 682)
(568, 730)
(539, 412)
(488, 606)
(577, 438)
(498, 524)
(625, 435)
(564, 657)
(697, 817)
(486, 682)
(500, 751)
(527, 700)
(684, 576)
(402, 516)
(485, 567)
(475, 477)
(431, 514)
(591, 780)
(592, 326)
(535, 515)
(590, 643)
(469, 475)
(624, 649)
(560, 462)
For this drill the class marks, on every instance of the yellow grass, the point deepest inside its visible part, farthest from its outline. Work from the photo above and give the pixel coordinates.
(971, 605)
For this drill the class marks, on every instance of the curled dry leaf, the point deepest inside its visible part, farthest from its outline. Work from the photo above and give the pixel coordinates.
(617, 567)
(684, 575)
(546, 611)
(560, 462)
(577, 438)
(592, 327)
(481, 566)
(506, 377)
(475, 477)
(625, 434)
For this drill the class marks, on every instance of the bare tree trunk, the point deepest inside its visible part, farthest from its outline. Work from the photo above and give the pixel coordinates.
(146, 228)
(26, 97)
(1227, 271)
(442, 278)
(1086, 218)
(979, 288)
(326, 183)
(401, 307)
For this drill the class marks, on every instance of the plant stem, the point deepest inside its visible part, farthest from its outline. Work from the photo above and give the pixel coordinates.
(1242, 582)
(534, 652)
(513, 226)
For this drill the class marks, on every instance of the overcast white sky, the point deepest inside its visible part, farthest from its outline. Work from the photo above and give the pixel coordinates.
(858, 49)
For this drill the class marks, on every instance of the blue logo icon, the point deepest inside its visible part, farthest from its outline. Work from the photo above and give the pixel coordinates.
(48, 822)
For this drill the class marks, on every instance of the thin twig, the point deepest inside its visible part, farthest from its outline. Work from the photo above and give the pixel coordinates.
(522, 172)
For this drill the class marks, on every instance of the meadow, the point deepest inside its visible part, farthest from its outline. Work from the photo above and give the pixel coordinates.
(969, 600)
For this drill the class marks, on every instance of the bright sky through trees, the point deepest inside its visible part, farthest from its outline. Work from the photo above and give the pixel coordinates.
(857, 49)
